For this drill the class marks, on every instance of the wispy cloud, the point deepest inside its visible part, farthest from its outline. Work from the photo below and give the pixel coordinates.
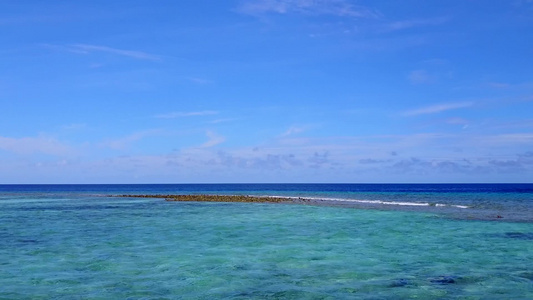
(180, 114)
(86, 49)
(373, 161)
(406, 24)
(74, 126)
(224, 120)
(292, 131)
(434, 109)
(213, 139)
(523, 124)
(32, 145)
(314, 7)
(507, 139)
(121, 143)
(419, 77)
(458, 121)
(499, 85)
(525, 86)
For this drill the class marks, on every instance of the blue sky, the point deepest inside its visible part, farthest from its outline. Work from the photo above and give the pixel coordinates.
(266, 91)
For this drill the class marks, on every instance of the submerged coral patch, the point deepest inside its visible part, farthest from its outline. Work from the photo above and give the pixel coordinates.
(519, 235)
(444, 280)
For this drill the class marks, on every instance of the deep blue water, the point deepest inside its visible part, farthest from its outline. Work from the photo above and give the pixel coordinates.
(359, 241)
(315, 187)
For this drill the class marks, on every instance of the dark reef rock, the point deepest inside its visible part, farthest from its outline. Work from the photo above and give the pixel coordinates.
(215, 198)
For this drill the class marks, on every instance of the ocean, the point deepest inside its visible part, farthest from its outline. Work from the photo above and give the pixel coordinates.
(351, 241)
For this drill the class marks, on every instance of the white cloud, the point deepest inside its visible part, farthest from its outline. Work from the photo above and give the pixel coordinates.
(315, 7)
(213, 140)
(179, 114)
(438, 108)
(457, 121)
(426, 157)
(123, 142)
(86, 49)
(31, 145)
(292, 131)
(224, 120)
(406, 24)
(509, 139)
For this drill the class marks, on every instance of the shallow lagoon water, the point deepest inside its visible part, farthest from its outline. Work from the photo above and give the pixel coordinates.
(67, 247)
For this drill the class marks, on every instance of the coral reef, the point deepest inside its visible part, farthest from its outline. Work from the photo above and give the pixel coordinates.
(216, 198)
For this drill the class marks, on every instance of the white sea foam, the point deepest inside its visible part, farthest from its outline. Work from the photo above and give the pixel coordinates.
(460, 206)
(379, 202)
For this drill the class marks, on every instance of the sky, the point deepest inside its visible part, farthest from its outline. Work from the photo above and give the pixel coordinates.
(266, 91)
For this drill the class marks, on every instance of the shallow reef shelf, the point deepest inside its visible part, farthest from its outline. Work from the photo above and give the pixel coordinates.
(216, 198)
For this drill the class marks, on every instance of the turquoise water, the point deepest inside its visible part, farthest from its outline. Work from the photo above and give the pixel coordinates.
(79, 246)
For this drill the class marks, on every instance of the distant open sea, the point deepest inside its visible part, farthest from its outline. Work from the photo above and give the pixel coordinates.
(353, 241)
